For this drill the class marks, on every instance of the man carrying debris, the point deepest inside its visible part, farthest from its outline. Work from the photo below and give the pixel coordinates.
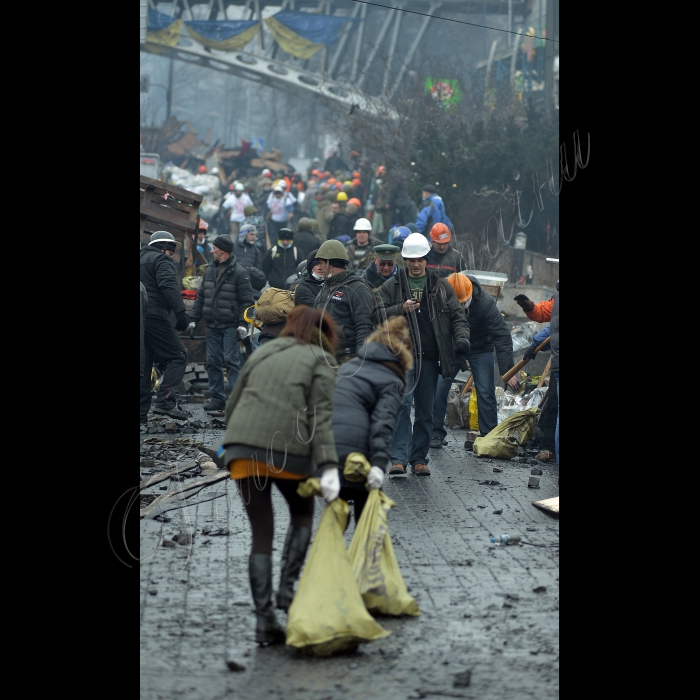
(161, 344)
(222, 298)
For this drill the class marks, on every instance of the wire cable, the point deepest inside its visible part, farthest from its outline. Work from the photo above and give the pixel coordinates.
(458, 21)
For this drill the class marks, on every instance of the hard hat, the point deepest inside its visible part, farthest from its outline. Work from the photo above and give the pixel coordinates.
(203, 225)
(292, 281)
(316, 160)
(238, 187)
(356, 182)
(440, 233)
(163, 237)
(462, 285)
(362, 225)
(278, 188)
(332, 250)
(342, 197)
(301, 268)
(214, 171)
(202, 169)
(356, 174)
(355, 200)
(415, 246)
(267, 172)
(332, 181)
(381, 170)
(230, 186)
(348, 183)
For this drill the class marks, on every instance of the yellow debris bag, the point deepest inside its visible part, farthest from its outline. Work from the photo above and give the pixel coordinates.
(473, 411)
(327, 614)
(356, 467)
(374, 563)
(504, 439)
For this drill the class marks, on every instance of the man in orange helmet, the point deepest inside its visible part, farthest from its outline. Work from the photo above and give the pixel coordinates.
(444, 259)
(487, 332)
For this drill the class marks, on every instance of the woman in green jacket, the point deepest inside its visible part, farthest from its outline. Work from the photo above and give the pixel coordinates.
(279, 432)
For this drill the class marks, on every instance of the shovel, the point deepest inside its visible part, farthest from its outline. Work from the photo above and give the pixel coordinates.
(522, 362)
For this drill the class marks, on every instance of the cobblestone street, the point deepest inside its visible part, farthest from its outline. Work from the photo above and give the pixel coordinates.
(489, 622)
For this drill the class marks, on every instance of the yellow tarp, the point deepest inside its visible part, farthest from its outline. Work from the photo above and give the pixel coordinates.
(374, 563)
(290, 41)
(328, 614)
(166, 37)
(503, 441)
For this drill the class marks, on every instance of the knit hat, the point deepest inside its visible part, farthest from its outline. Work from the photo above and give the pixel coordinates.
(310, 259)
(224, 243)
(285, 234)
(249, 209)
(429, 188)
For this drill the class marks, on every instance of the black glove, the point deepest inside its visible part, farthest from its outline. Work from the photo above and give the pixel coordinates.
(523, 302)
(462, 362)
(530, 354)
(181, 323)
(462, 347)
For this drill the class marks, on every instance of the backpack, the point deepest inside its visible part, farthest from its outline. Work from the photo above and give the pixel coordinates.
(273, 252)
(274, 305)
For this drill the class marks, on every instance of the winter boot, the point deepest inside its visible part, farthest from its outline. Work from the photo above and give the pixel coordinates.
(267, 629)
(169, 408)
(214, 405)
(293, 554)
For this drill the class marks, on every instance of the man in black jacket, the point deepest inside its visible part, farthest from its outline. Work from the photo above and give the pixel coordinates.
(222, 298)
(249, 257)
(310, 285)
(444, 259)
(282, 259)
(161, 344)
(487, 331)
(438, 327)
(347, 298)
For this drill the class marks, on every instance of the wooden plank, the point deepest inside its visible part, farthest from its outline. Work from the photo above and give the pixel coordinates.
(549, 504)
(545, 374)
(161, 188)
(153, 508)
(162, 476)
(152, 199)
(168, 216)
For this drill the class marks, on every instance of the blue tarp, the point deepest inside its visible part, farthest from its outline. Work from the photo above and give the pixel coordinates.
(219, 31)
(158, 20)
(319, 29)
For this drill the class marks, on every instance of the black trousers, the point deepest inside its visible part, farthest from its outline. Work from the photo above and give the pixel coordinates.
(547, 422)
(161, 345)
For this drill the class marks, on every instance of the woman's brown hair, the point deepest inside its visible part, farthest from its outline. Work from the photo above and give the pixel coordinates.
(302, 320)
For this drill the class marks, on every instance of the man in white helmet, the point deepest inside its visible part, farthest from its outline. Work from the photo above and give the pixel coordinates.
(236, 201)
(360, 247)
(439, 330)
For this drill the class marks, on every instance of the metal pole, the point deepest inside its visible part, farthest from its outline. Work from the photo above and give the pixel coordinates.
(169, 91)
(358, 43)
(341, 44)
(510, 22)
(392, 48)
(550, 51)
(375, 48)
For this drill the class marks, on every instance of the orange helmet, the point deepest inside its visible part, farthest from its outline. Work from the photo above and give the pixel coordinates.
(203, 225)
(331, 181)
(202, 168)
(356, 174)
(440, 233)
(462, 286)
(356, 201)
(381, 170)
(356, 182)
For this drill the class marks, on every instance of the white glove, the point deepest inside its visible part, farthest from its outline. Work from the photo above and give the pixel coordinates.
(242, 332)
(375, 478)
(190, 329)
(330, 484)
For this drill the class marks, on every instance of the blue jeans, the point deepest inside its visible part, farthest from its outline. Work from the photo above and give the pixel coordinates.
(410, 443)
(484, 382)
(440, 404)
(222, 351)
(556, 433)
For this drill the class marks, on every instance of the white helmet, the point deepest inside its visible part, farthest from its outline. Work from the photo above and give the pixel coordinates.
(362, 225)
(239, 187)
(415, 246)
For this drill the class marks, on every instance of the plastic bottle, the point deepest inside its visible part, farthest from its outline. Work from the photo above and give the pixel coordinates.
(504, 539)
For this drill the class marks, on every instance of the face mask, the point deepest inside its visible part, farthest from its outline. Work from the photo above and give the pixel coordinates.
(317, 277)
(283, 245)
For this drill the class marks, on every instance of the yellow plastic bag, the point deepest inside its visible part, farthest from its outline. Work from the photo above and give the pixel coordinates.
(504, 439)
(327, 614)
(473, 413)
(374, 562)
(356, 467)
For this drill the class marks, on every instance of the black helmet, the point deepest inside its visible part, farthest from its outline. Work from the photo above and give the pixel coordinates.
(292, 281)
(301, 268)
(164, 241)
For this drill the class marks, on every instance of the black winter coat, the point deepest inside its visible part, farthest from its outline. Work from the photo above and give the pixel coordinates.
(487, 329)
(305, 241)
(554, 332)
(444, 264)
(340, 226)
(282, 266)
(365, 405)
(250, 258)
(307, 290)
(374, 279)
(350, 302)
(222, 303)
(159, 276)
(445, 312)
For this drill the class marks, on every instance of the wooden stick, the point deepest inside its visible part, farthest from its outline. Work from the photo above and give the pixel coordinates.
(545, 374)
(522, 362)
(153, 508)
(467, 385)
(162, 476)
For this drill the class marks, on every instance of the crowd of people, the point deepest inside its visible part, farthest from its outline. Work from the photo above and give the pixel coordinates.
(384, 316)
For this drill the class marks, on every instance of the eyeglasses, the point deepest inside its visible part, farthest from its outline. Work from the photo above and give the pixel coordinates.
(386, 263)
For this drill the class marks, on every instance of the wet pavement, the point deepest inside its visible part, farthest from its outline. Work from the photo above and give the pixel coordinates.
(489, 622)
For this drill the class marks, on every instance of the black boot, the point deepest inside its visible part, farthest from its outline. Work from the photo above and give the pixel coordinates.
(267, 630)
(295, 546)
